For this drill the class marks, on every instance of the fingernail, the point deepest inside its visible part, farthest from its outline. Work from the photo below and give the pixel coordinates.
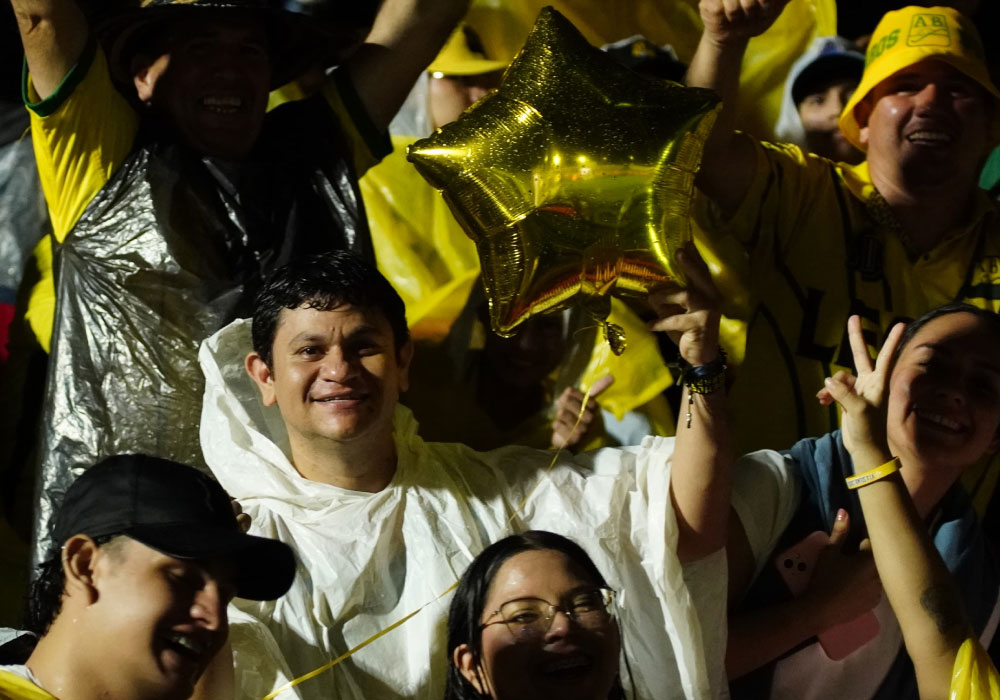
(828, 381)
(841, 514)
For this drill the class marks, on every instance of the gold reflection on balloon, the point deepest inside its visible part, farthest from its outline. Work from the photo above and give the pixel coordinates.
(574, 177)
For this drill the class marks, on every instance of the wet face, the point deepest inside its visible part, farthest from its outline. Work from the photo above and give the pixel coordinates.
(163, 618)
(944, 395)
(335, 375)
(211, 83)
(820, 112)
(929, 122)
(571, 660)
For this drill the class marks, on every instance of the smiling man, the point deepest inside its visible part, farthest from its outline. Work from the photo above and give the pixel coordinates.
(903, 232)
(305, 429)
(173, 191)
(131, 603)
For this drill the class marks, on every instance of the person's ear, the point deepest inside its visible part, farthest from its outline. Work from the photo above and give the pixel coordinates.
(403, 359)
(862, 113)
(79, 559)
(262, 376)
(465, 661)
(145, 72)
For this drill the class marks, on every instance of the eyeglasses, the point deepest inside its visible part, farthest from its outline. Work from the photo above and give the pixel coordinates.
(530, 618)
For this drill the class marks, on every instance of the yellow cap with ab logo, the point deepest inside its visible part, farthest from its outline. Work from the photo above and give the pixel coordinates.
(908, 36)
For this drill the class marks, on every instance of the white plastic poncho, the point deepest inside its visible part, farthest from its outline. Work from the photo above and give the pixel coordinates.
(368, 559)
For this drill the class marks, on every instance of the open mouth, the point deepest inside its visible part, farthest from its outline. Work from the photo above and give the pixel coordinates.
(930, 137)
(222, 104)
(186, 646)
(568, 667)
(340, 398)
(940, 421)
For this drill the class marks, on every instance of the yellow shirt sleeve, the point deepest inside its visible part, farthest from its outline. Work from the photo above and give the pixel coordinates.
(81, 135)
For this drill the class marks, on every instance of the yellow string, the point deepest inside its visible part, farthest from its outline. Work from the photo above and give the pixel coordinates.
(378, 635)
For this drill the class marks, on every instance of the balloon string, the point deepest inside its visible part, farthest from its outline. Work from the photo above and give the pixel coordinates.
(378, 635)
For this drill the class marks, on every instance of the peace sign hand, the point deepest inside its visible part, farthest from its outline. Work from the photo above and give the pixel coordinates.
(863, 398)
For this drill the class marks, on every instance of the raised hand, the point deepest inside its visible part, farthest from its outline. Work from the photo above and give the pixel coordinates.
(575, 424)
(690, 315)
(738, 20)
(864, 398)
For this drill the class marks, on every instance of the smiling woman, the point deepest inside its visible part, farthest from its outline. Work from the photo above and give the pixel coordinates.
(941, 417)
(533, 618)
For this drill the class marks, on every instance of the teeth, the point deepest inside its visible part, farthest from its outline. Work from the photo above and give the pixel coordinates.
(935, 136)
(224, 104)
(188, 643)
(566, 664)
(940, 420)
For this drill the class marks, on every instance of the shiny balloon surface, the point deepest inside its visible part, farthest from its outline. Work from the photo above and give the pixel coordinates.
(574, 177)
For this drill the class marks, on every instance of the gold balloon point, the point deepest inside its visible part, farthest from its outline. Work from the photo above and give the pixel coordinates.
(574, 178)
(615, 335)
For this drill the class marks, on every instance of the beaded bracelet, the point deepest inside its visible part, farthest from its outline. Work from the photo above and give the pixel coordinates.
(873, 475)
(701, 379)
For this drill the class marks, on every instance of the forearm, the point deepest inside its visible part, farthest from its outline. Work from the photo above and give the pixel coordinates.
(917, 584)
(728, 158)
(54, 34)
(701, 477)
(758, 637)
(404, 40)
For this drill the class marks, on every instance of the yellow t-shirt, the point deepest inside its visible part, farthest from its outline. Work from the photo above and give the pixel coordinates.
(13, 687)
(82, 134)
(817, 253)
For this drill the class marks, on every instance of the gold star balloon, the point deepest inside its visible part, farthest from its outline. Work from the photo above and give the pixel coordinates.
(574, 178)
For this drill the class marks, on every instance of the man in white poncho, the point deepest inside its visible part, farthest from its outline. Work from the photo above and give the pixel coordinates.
(384, 523)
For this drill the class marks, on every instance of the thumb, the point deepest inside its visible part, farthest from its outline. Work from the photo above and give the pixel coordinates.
(841, 525)
(843, 393)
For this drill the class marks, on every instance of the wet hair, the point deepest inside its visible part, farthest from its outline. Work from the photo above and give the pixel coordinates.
(324, 282)
(470, 598)
(45, 593)
(989, 318)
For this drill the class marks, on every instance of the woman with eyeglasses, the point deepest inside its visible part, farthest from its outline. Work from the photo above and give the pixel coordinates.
(533, 618)
(532, 615)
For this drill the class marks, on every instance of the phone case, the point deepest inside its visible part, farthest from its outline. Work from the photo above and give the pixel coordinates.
(795, 566)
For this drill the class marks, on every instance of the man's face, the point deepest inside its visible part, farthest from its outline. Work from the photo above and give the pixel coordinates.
(212, 83)
(928, 121)
(335, 375)
(161, 619)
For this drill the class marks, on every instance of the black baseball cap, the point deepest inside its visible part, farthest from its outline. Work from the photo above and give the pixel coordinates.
(177, 510)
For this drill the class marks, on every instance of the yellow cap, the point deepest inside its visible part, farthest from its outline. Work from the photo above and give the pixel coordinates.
(463, 54)
(908, 36)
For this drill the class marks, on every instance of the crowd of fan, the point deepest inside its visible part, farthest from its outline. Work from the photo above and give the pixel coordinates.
(210, 340)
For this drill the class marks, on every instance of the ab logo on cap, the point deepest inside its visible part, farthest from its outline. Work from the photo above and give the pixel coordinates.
(929, 30)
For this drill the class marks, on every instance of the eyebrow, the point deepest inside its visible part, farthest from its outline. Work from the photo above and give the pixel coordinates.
(314, 337)
(990, 367)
